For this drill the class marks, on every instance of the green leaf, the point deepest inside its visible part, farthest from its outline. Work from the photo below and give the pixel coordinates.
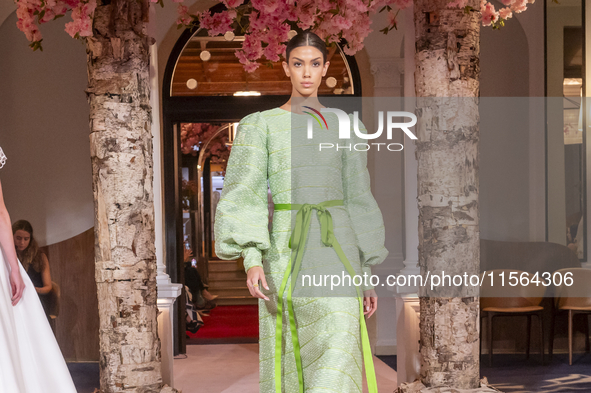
(41, 15)
(58, 16)
(36, 45)
(467, 9)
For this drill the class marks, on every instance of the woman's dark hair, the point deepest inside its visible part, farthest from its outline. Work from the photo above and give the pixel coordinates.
(30, 256)
(306, 38)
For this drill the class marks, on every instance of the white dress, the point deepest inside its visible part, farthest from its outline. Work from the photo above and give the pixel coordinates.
(30, 359)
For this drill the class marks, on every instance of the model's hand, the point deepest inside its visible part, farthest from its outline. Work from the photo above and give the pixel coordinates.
(253, 276)
(17, 285)
(188, 254)
(370, 302)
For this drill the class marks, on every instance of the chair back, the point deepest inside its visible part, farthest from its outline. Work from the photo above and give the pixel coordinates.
(577, 295)
(499, 293)
(53, 300)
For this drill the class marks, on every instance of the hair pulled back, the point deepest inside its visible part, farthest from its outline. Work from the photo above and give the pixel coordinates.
(306, 38)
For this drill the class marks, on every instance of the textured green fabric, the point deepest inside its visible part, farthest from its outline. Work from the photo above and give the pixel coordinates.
(272, 146)
(297, 244)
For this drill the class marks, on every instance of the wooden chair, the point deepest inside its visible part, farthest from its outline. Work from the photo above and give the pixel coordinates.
(507, 300)
(53, 304)
(575, 299)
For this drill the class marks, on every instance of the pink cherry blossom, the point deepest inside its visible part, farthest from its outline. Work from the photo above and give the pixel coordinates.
(505, 13)
(266, 28)
(183, 15)
(232, 3)
(357, 5)
(341, 23)
(252, 47)
(489, 15)
(72, 3)
(71, 29)
(266, 6)
(218, 23)
(249, 66)
(325, 5)
(519, 6)
(306, 21)
(273, 50)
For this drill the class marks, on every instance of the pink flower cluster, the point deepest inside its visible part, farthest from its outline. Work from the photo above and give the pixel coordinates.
(490, 15)
(266, 23)
(32, 13)
(193, 135)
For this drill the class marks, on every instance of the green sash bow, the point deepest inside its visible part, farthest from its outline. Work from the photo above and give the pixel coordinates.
(297, 243)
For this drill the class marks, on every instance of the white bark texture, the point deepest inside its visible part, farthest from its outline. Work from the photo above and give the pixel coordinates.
(447, 88)
(418, 387)
(121, 150)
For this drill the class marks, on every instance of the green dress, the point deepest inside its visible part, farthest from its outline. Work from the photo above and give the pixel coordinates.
(271, 150)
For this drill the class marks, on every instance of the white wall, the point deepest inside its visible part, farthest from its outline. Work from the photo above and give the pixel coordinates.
(559, 16)
(507, 161)
(44, 132)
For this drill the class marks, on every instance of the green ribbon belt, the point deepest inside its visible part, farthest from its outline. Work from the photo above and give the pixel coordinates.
(297, 243)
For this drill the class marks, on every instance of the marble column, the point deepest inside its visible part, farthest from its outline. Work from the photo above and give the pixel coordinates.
(168, 292)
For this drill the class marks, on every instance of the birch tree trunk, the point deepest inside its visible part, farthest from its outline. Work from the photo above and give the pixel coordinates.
(121, 151)
(447, 88)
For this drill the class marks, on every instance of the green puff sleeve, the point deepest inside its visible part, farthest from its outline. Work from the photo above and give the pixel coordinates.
(363, 209)
(241, 221)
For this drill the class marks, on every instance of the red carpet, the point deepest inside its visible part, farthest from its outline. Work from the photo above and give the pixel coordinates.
(230, 322)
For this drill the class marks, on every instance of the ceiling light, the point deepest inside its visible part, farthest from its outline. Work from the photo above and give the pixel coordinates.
(205, 55)
(331, 82)
(192, 84)
(229, 36)
(247, 93)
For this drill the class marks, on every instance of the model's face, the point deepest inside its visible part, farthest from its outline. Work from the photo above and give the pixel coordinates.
(22, 240)
(305, 69)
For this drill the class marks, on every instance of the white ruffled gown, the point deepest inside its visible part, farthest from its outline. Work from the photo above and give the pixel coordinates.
(30, 358)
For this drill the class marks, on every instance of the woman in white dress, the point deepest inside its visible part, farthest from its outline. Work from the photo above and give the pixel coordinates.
(30, 359)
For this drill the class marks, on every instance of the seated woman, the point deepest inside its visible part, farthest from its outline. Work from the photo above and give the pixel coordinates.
(200, 295)
(33, 260)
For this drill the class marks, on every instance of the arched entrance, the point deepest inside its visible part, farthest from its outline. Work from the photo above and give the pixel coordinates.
(205, 85)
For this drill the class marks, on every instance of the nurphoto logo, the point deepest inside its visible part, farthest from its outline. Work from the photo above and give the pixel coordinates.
(345, 128)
